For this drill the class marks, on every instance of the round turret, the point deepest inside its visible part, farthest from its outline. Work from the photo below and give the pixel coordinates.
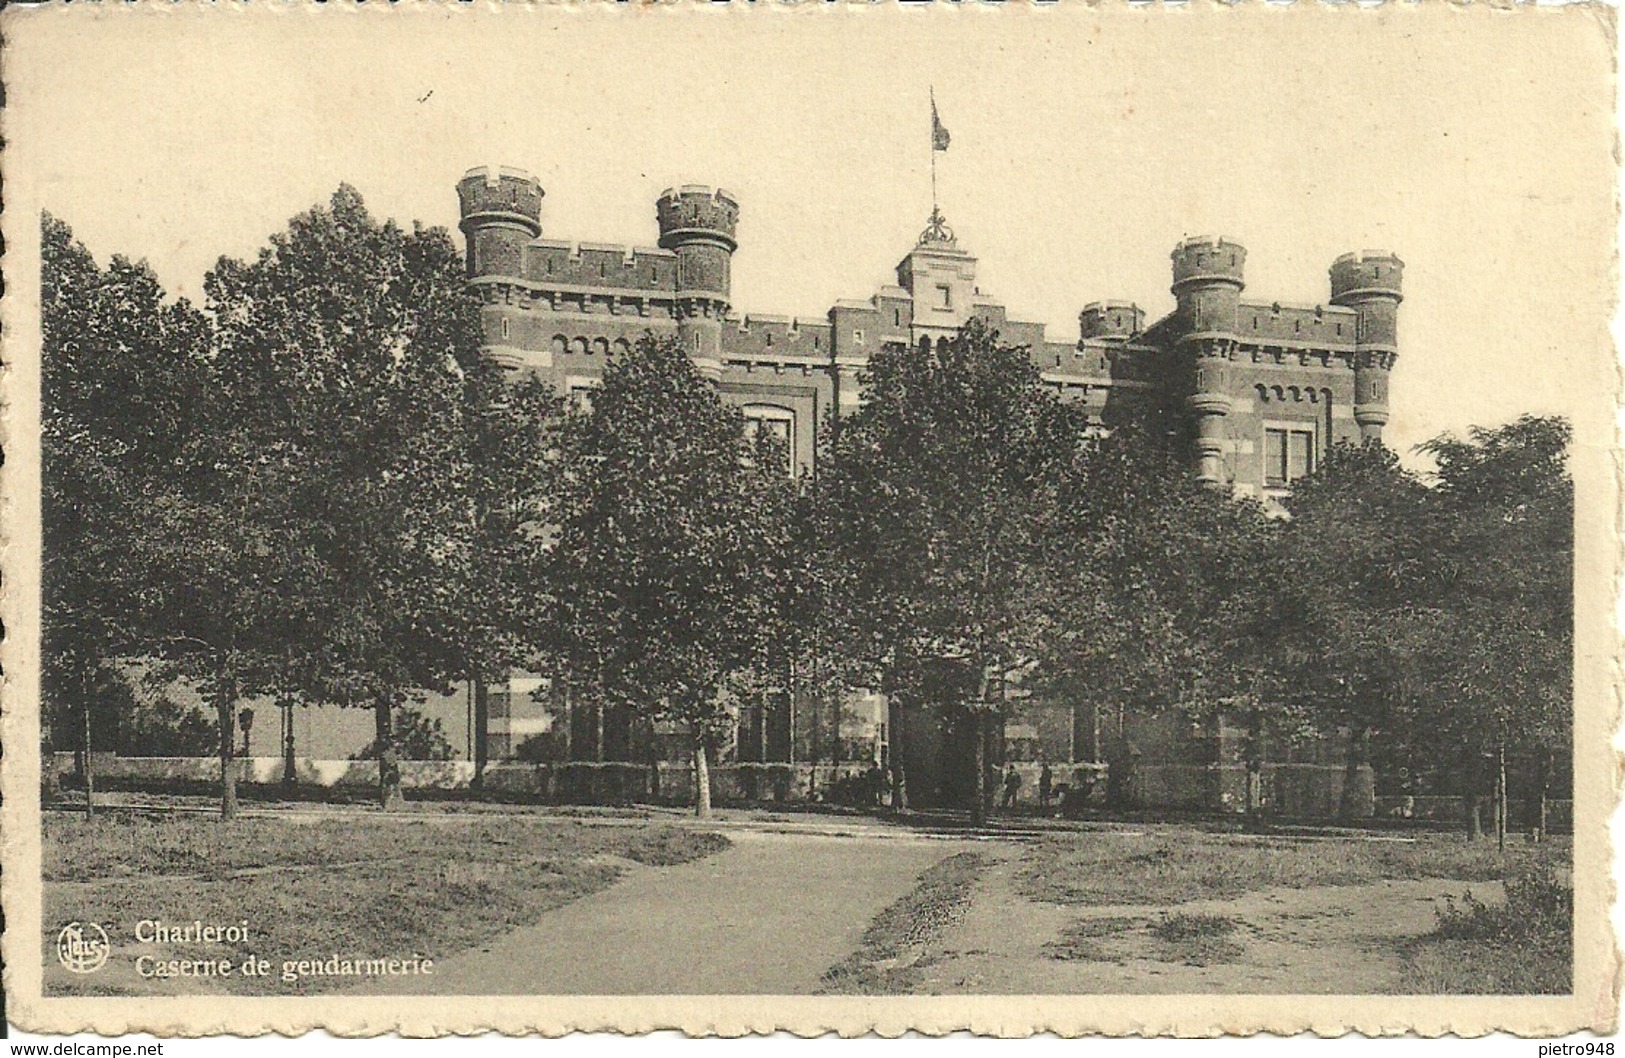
(1369, 283)
(1367, 273)
(1208, 282)
(1111, 319)
(698, 225)
(695, 212)
(501, 212)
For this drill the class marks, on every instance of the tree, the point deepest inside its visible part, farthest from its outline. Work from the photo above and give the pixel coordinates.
(1155, 594)
(344, 352)
(673, 532)
(938, 498)
(1357, 633)
(1500, 563)
(124, 379)
(503, 614)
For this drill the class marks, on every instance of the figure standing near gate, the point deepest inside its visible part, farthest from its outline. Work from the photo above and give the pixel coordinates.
(1012, 783)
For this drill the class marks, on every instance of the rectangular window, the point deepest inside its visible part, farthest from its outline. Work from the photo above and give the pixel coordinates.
(1288, 455)
(1300, 454)
(945, 296)
(1275, 457)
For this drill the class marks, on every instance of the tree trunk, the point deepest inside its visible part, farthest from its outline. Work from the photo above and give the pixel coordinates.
(88, 691)
(47, 760)
(835, 739)
(1254, 796)
(899, 775)
(224, 700)
(814, 751)
(978, 809)
(598, 728)
(569, 719)
(1501, 798)
(482, 727)
(762, 739)
(86, 771)
(702, 780)
(390, 798)
(1475, 818)
(653, 745)
(289, 764)
(1542, 807)
(1348, 806)
(790, 711)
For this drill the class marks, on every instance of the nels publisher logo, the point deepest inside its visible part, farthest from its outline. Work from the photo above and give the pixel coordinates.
(83, 947)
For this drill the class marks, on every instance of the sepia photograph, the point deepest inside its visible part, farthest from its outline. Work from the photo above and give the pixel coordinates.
(815, 518)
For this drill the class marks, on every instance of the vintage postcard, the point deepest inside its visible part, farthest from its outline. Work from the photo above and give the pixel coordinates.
(1076, 518)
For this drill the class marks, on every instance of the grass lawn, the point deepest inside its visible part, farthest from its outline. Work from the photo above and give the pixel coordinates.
(373, 886)
(890, 959)
(1175, 865)
(1524, 946)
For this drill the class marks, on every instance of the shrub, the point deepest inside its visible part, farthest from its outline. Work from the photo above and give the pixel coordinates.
(1524, 947)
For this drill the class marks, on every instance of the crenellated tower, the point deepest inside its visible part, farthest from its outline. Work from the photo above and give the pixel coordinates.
(1208, 285)
(698, 225)
(1369, 283)
(501, 212)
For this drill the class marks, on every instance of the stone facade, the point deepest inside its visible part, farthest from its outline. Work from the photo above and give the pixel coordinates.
(1261, 389)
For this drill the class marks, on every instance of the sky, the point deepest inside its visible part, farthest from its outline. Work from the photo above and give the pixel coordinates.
(1086, 143)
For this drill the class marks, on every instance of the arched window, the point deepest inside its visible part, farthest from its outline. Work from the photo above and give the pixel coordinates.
(622, 347)
(558, 344)
(578, 346)
(601, 346)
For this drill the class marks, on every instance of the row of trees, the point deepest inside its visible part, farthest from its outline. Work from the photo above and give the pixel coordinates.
(313, 486)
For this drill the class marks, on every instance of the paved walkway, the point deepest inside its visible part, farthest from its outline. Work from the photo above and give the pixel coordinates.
(767, 916)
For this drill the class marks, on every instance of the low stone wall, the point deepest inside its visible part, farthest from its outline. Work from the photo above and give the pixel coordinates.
(1297, 790)
(415, 774)
(1305, 791)
(1524, 814)
(586, 782)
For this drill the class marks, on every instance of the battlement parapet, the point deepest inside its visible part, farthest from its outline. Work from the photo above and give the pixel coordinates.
(488, 196)
(1367, 273)
(594, 264)
(697, 213)
(762, 335)
(1116, 318)
(1208, 259)
(1293, 322)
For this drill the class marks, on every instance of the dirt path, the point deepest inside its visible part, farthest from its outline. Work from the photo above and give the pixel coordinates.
(767, 916)
(1332, 940)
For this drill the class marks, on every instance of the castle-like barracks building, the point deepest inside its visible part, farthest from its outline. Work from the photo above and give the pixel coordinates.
(1264, 388)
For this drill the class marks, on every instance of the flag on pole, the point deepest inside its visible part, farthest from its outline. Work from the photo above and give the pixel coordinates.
(939, 134)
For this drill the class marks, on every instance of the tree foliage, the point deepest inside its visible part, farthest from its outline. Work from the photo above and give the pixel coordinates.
(672, 535)
(940, 496)
(358, 408)
(317, 486)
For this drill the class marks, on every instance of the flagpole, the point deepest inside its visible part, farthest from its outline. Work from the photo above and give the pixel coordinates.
(933, 91)
(933, 178)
